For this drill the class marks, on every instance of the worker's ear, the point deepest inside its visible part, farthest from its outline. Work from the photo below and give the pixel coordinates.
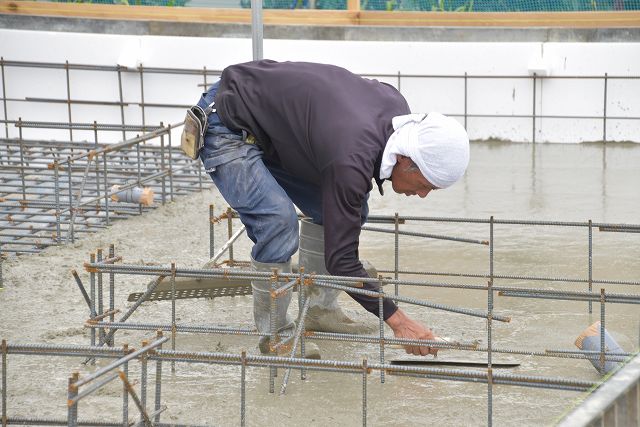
(402, 160)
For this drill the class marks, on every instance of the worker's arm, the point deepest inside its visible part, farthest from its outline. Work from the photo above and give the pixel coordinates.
(343, 193)
(405, 327)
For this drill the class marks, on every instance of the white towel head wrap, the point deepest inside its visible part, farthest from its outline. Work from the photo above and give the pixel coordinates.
(439, 145)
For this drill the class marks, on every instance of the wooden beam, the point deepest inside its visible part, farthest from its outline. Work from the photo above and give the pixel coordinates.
(626, 19)
(353, 5)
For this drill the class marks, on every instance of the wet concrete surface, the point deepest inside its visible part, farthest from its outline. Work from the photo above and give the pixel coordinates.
(40, 302)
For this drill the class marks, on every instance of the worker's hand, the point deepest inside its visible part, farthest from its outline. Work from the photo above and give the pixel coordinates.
(405, 327)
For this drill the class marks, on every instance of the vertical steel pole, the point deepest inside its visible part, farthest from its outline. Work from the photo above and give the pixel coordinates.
(604, 110)
(24, 189)
(70, 234)
(381, 320)
(56, 192)
(173, 312)
(602, 330)
(590, 263)
(112, 254)
(72, 409)
(230, 233)
(95, 145)
(66, 67)
(534, 108)
(396, 250)
(302, 296)
(211, 232)
(141, 72)
(256, 29)
(106, 188)
(139, 172)
(170, 162)
(125, 392)
(92, 293)
(4, 102)
(489, 328)
(273, 373)
(204, 77)
(162, 166)
(100, 299)
(365, 370)
(243, 385)
(124, 134)
(143, 379)
(465, 100)
(158, 394)
(399, 82)
(4, 383)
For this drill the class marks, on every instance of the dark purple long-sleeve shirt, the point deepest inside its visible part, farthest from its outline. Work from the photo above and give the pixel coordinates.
(326, 126)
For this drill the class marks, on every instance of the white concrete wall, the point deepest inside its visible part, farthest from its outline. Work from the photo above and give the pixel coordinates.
(485, 96)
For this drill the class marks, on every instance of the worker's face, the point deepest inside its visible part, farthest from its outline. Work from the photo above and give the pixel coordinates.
(409, 183)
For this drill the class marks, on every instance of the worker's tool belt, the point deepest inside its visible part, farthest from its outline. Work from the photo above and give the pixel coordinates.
(195, 126)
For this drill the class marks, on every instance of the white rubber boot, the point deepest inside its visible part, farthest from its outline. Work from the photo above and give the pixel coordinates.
(283, 322)
(324, 314)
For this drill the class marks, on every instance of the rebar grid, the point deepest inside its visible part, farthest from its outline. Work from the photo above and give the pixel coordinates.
(283, 281)
(51, 191)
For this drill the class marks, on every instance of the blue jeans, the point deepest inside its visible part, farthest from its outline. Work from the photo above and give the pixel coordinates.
(262, 193)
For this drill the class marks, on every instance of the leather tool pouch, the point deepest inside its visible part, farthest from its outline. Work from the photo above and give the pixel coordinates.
(192, 139)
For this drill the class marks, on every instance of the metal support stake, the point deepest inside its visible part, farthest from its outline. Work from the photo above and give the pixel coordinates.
(125, 392)
(162, 166)
(112, 254)
(243, 385)
(24, 190)
(602, 330)
(106, 189)
(72, 408)
(272, 329)
(604, 110)
(204, 77)
(139, 172)
(302, 294)
(4, 102)
(70, 232)
(143, 378)
(230, 233)
(590, 263)
(141, 73)
(490, 327)
(381, 320)
(158, 394)
(92, 294)
(534, 108)
(211, 232)
(399, 82)
(100, 299)
(56, 192)
(170, 162)
(396, 251)
(95, 145)
(173, 313)
(124, 133)
(465, 99)
(66, 68)
(4, 383)
(365, 370)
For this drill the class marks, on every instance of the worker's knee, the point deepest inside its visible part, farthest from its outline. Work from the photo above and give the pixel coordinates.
(285, 231)
(276, 235)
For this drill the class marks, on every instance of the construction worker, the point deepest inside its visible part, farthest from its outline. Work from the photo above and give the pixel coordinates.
(280, 134)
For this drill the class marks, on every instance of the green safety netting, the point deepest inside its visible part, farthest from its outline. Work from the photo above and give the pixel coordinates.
(421, 5)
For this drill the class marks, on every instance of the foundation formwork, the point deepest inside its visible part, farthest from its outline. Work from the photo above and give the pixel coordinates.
(104, 323)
